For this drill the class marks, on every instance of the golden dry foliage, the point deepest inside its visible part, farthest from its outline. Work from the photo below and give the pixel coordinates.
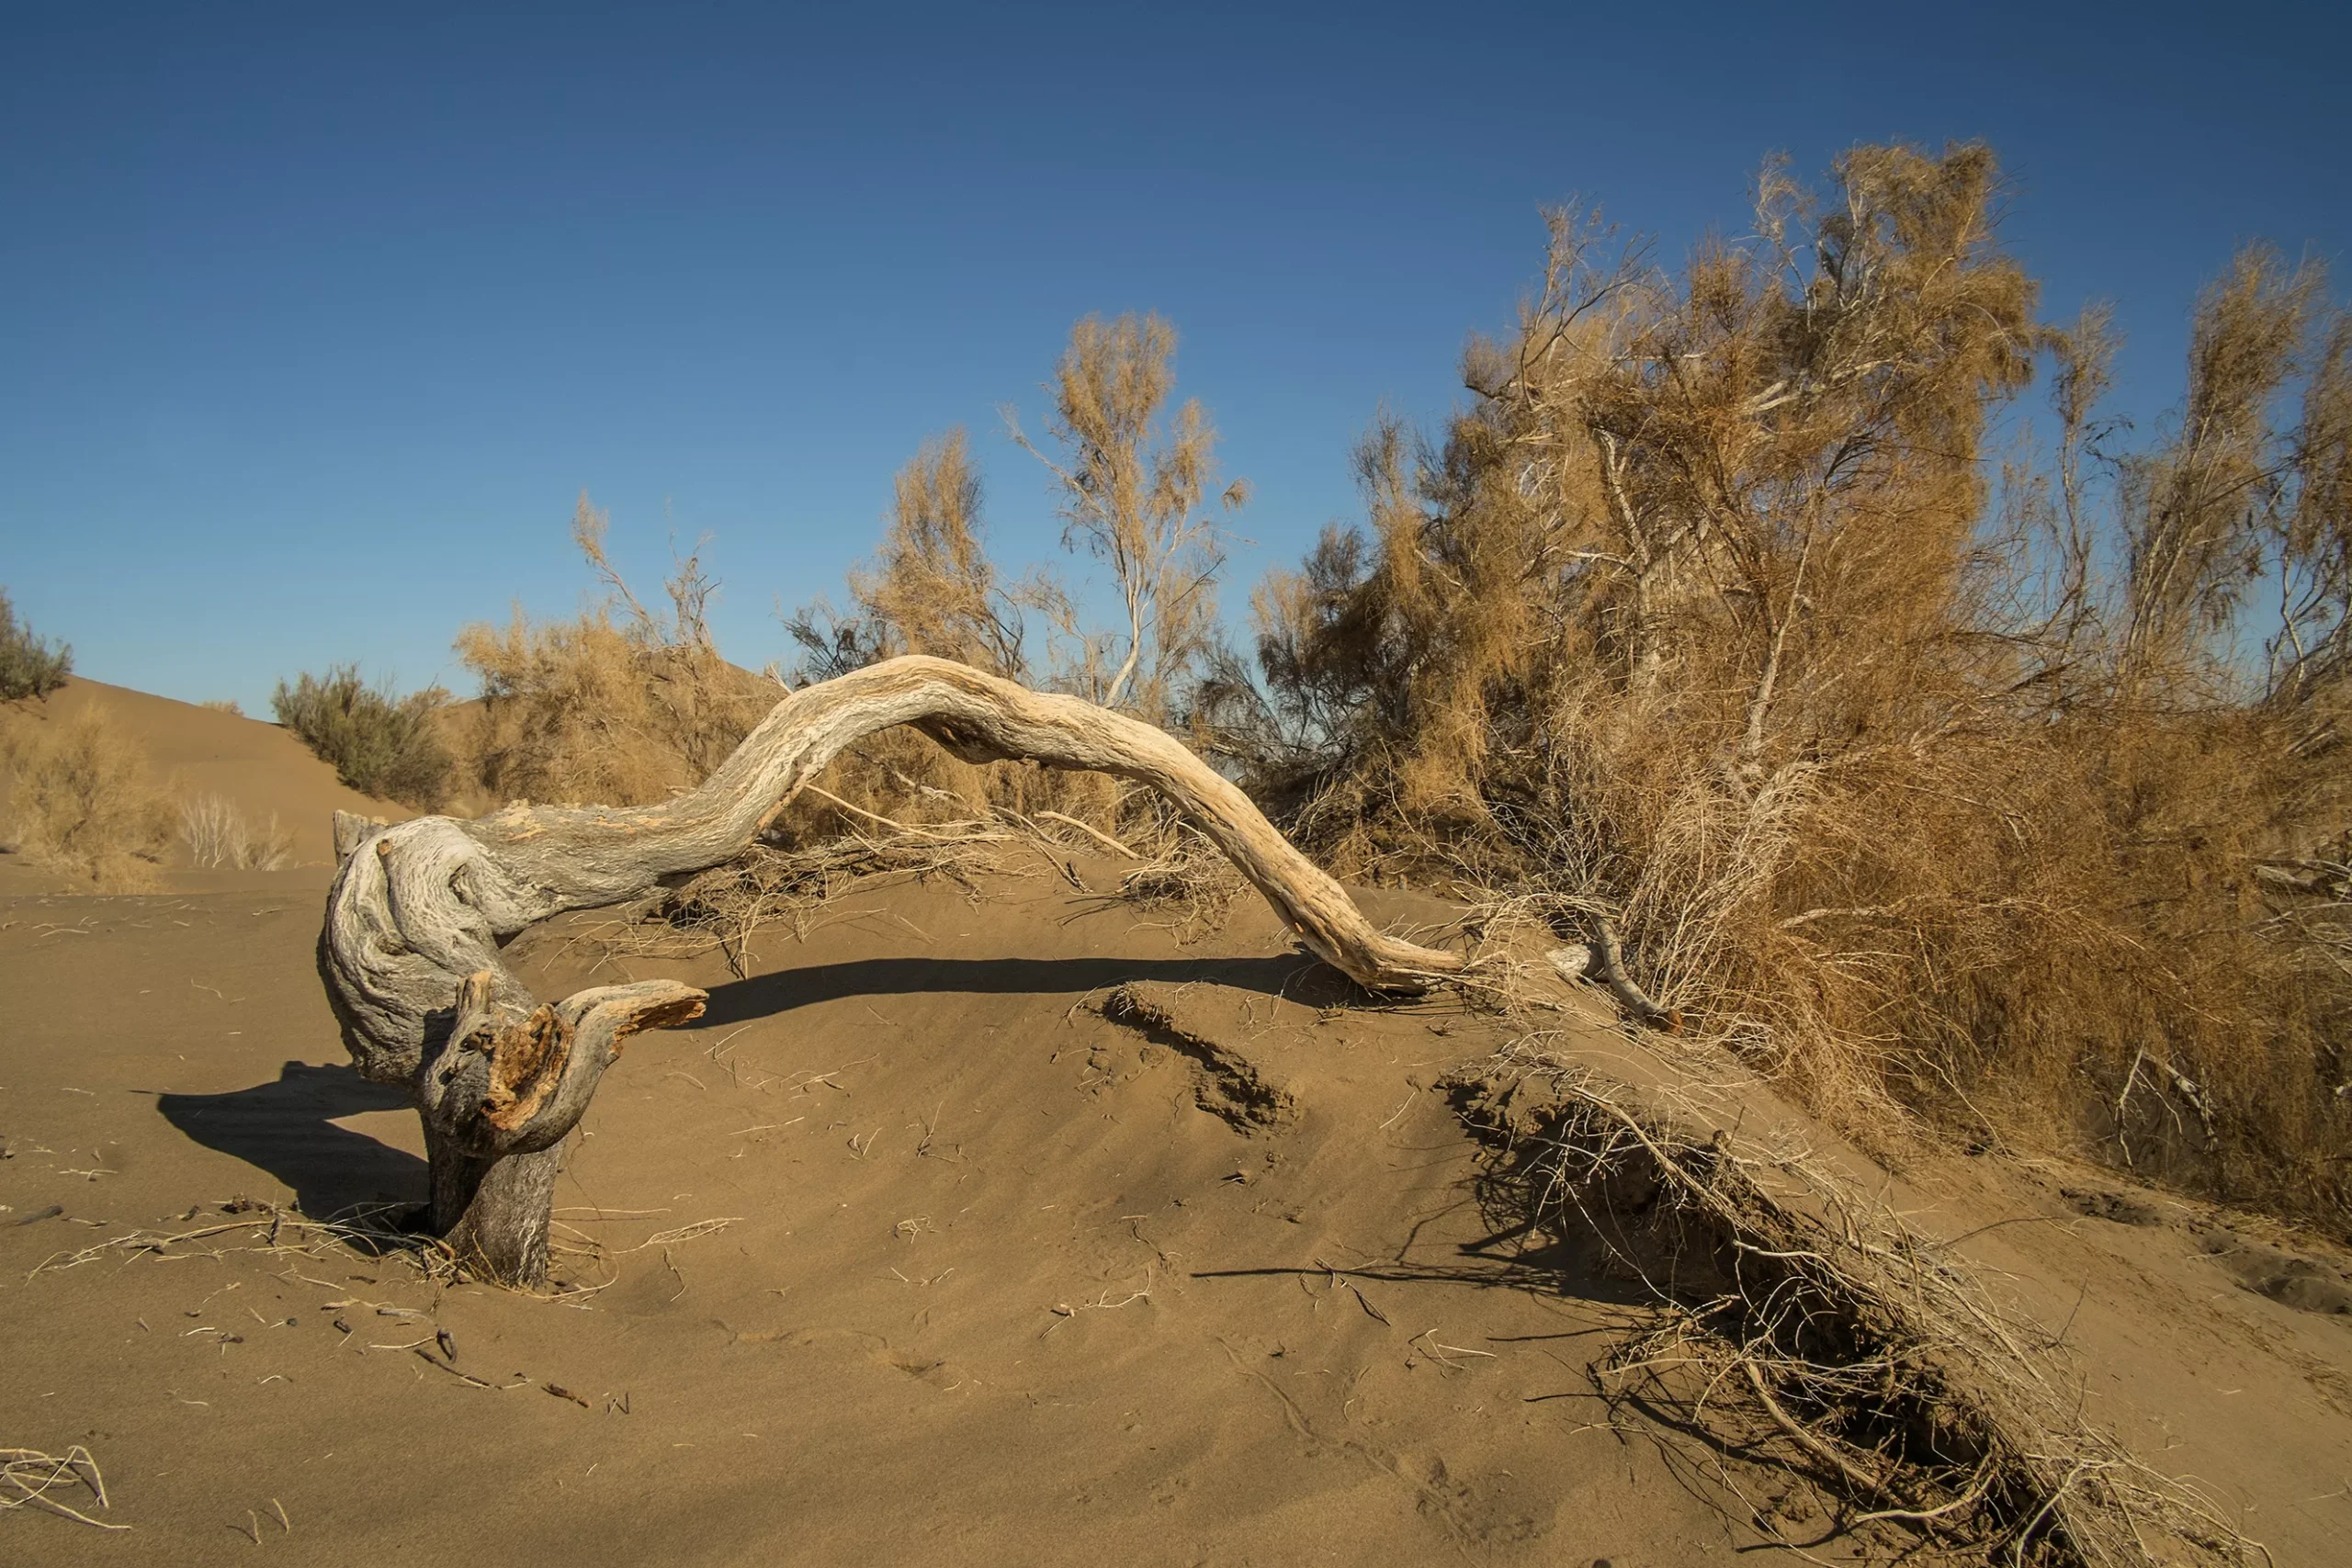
(622, 707)
(1139, 491)
(81, 800)
(628, 704)
(1136, 482)
(216, 835)
(933, 589)
(1925, 794)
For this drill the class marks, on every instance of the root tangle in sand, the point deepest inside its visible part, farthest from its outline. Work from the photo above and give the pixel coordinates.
(1805, 1323)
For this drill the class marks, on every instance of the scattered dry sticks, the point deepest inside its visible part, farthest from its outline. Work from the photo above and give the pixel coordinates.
(274, 1230)
(725, 906)
(1101, 838)
(29, 1477)
(289, 1237)
(685, 1232)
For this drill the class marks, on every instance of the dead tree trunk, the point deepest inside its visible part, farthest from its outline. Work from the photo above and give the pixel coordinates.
(410, 953)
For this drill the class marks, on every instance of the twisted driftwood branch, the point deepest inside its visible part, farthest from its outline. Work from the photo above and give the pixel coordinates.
(411, 958)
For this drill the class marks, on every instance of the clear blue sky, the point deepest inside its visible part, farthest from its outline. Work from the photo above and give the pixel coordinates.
(313, 323)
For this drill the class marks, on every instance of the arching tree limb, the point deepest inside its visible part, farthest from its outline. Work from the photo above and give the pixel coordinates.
(409, 953)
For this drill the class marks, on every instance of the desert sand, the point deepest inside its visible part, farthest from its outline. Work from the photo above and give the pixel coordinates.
(930, 1242)
(192, 751)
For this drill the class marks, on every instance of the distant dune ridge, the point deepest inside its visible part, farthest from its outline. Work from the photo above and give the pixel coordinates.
(197, 755)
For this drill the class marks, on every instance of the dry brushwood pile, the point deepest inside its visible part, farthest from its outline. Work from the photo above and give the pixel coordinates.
(1807, 1319)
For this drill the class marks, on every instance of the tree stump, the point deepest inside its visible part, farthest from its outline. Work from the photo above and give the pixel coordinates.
(420, 909)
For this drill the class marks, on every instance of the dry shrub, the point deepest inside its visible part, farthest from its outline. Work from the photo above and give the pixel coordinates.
(228, 705)
(379, 743)
(218, 836)
(1136, 479)
(628, 704)
(622, 707)
(29, 667)
(895, 802)
(1135, 493)
(82, 801)
(585, 711)
(1928, 795)
(931, 587)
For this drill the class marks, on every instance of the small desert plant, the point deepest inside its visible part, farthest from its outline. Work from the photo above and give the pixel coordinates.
(1136, 481)
(217, 837)
(83, 802)
(624, 705)
(29, 666)
(932, 588)
(223, 705)
(379, 744)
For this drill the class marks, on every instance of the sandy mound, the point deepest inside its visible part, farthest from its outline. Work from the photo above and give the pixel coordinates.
(983, 1225)
(264, 773)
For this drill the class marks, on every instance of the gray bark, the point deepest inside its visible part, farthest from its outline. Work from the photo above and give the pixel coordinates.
(420, 910)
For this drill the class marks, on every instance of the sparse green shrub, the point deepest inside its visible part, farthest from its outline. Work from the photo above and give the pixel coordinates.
(29, 666)
(80, 800)
(381, 744)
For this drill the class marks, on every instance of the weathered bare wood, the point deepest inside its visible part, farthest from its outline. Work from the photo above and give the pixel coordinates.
(420, 909)
(351, 830)
(1610, 971)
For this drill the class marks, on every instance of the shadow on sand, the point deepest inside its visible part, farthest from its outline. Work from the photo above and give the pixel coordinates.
(1299, 976)
(287, 1128)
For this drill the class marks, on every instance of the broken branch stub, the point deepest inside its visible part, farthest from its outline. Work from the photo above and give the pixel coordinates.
(420, 909)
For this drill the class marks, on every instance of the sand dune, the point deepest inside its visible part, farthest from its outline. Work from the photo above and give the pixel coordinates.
(255, 766)
(911, 1248)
